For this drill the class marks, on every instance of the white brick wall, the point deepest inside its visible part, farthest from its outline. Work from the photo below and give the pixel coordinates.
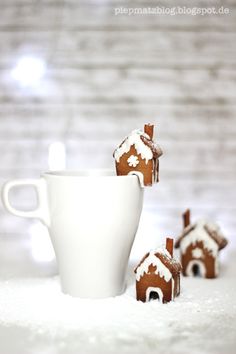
(107, 75)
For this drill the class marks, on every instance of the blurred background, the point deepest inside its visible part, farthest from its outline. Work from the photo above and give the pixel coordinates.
(77, 76)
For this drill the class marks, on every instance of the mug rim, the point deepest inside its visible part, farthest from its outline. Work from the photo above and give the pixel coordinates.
(85, 173)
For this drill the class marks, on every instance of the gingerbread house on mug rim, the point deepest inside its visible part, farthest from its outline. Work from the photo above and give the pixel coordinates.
(199, 246)
(139, 154)
(158, 275)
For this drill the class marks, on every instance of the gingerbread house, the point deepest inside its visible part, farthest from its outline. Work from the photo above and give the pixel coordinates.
(158, 275)
(199, 246)
(139, 154)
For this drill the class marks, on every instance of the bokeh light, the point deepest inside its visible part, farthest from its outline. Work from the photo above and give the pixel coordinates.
(29, 71)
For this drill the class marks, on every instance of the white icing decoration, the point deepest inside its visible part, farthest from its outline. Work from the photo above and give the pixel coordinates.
(200, 234)
(135, 139)
(217, 267)
(172, 289)
(133, 161)
(200, 264)
(197, 253)
(157, 290)
(178, 285)
(154, 174)
(161, 269)
(140, 177)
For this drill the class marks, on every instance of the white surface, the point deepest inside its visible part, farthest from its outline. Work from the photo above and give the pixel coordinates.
(92, 222)
(43, 320)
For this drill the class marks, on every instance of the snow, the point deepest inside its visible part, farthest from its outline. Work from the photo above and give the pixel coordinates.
(40, 318)
(134, 139)
(200, 234)
(161, 269)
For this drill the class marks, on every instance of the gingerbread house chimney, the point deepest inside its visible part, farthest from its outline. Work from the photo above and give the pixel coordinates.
(149, 129)
(170, 245)
(186, 218)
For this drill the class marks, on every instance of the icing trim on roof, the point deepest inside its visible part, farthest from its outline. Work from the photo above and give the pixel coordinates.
(199, 234)
(135, 139)
(161, 269)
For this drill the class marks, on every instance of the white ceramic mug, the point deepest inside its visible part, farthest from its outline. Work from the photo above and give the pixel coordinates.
(92, 217)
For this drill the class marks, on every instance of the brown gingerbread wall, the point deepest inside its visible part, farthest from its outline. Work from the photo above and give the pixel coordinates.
(122, 167)
(153, 280)
(177, 285)
(156, 170)
(207, 259)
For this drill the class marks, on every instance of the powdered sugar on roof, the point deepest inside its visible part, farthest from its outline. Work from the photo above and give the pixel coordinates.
(135, 139)
(161, 269)
(199, 234)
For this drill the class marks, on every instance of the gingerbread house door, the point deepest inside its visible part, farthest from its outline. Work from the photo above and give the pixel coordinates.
(154, 293)
(196, 268)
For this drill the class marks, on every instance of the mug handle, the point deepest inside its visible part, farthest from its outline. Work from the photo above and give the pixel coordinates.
(41, 212)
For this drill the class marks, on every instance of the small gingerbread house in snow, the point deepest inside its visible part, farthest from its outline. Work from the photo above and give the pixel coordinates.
(158, 275)
(199, 246)
(139, 154)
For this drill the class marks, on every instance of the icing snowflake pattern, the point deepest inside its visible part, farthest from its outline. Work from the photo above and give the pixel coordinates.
(133, 161)
(197, 253)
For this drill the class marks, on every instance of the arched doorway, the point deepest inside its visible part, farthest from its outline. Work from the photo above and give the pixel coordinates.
(154, 293)
(196, 268)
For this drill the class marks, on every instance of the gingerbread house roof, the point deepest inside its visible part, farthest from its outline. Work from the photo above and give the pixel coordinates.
(143, 144)
(166, 266)
(207, 232)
